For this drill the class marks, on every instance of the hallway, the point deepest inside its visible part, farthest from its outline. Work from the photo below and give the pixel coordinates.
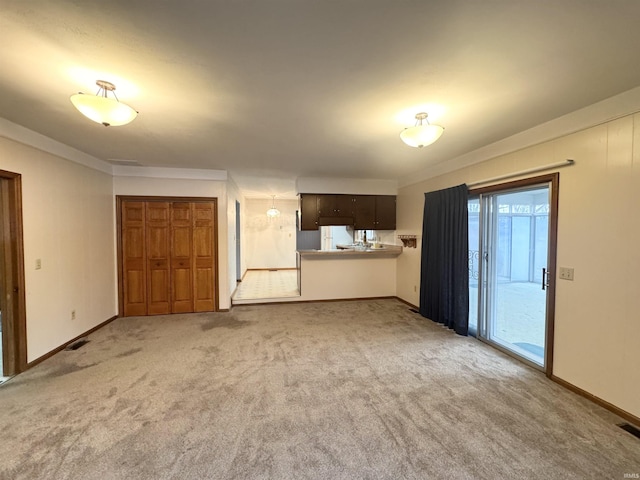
(266, 285)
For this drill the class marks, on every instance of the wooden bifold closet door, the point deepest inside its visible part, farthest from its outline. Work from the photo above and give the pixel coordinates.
(168, 256)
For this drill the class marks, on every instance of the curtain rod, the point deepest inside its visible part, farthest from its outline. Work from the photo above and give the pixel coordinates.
(566, 163)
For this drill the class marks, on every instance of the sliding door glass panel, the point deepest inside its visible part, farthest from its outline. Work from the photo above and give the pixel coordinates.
(474, 263)
(516, 247)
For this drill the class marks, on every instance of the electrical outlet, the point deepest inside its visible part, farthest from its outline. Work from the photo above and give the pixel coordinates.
(73, 314)
(415, 288)
(566, 273)
(38, 263)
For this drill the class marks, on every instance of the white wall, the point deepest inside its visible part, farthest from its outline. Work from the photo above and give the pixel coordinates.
(269, 242)
(123, 185)
(597, 329)
(355, 186)
(68, 223)
(325, 278)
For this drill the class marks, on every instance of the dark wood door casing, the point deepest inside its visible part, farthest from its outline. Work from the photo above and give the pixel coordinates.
(167, 255)
(12, 291)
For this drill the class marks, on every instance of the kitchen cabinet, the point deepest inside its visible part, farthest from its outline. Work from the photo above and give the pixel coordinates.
(364, 212)
(375, 212)
(385, 212)
(335, 210)
(335, 206)
(308, 211)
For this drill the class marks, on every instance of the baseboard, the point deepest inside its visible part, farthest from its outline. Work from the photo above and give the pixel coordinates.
(407, 303)
(355, 299)
(603, 403)
(268, 269)
(64, 345)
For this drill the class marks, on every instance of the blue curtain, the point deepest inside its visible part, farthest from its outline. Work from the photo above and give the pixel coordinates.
(444, 274)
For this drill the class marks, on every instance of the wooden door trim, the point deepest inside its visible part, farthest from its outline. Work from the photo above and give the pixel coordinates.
(16, 287)
(147, 198)
(554, 180)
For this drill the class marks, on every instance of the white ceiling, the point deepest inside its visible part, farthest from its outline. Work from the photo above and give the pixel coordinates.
(277, 89)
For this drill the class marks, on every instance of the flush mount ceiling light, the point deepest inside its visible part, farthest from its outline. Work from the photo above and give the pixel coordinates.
(102, 109)
(421, 134)
(273, 211)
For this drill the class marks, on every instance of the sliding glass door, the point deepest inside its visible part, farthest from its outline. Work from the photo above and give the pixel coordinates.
(512, 265)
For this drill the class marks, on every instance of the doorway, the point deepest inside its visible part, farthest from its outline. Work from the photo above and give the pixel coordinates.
(238, 246)
(512, 239)
(12, 299)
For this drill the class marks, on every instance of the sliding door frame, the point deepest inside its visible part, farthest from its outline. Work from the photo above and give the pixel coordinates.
(553, 179)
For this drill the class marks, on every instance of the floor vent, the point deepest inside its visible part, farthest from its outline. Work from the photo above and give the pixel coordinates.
(78, 344)
(631, 429)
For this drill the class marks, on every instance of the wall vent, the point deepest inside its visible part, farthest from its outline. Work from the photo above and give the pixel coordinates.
(76, 345)
(630, 428)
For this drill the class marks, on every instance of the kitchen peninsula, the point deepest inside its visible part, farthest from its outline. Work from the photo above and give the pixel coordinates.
(348, 272)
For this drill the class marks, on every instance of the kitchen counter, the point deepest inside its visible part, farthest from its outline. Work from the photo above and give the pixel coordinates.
(350, 251)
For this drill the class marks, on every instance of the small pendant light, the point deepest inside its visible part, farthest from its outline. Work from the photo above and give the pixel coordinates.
(273, 211)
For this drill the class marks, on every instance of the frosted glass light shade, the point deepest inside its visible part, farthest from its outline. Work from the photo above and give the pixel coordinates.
(273, 212)
(107, 111)
(421, 135)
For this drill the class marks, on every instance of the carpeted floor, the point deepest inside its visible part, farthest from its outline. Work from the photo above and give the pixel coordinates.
(344, 390)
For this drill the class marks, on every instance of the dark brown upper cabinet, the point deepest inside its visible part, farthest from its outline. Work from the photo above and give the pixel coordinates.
(363, 212)
(375, 212)
(335, 205)
(335, 210)
(385, 212)
(308, 211)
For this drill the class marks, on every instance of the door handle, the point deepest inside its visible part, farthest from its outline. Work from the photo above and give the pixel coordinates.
(545, 278)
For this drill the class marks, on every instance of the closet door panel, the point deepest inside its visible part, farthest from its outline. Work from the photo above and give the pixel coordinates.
(181, 257)
(204, 257)
(133, 259)
(158, 250)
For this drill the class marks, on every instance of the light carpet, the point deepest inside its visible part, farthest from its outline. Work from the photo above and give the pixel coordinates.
(344, 390)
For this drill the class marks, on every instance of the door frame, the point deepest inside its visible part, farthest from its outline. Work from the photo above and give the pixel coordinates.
(147, 198)
(553, 179)
(12, 293)
(238, 244)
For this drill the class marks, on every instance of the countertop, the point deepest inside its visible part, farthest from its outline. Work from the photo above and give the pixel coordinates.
(350, 251)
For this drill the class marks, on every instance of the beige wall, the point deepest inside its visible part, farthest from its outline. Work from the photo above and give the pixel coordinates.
(597, 315)
(269, 242)
(68, 222)
(332, 278)
(180, 187)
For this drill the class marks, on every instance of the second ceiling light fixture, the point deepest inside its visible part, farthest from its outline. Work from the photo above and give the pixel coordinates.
(421, 134)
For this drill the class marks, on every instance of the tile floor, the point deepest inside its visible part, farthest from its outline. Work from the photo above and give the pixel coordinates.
(266, 284)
